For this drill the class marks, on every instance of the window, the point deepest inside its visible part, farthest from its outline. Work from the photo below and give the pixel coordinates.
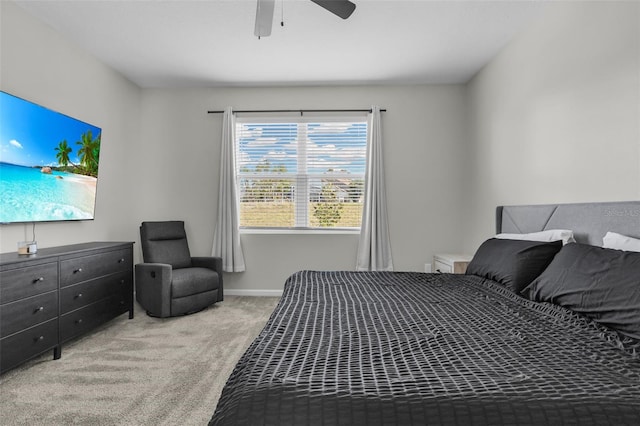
(301, 173)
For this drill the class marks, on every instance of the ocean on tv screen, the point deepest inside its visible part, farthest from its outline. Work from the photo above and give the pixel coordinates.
(30, 195)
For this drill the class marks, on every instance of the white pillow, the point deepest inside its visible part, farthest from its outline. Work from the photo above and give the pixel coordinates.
(621, 242)
(565, 235)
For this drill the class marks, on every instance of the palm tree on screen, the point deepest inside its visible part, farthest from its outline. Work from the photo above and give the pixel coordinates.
(62, 153)
(89, 152)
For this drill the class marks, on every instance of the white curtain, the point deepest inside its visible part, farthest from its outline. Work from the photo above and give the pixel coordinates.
(226, 240)
(374, 247)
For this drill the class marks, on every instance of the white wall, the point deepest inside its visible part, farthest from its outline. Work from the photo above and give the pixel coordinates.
(160, 155)
(425, 148)
(555, 117)
(38, 65)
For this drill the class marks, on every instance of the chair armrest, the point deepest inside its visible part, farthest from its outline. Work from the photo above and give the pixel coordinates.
(214, 263)
(153, 287)
(210, 262)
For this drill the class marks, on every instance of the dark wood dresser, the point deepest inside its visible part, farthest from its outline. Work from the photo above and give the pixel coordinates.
(60, 293)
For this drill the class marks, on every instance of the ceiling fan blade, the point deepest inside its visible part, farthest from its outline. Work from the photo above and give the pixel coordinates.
(341, 8)
(264, 18)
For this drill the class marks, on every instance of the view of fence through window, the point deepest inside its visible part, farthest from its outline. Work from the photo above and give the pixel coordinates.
(301, 173)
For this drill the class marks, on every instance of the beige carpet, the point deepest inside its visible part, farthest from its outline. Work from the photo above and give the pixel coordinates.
(145, 371)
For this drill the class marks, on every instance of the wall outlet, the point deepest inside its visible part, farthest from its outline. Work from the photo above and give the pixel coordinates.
(427, 268)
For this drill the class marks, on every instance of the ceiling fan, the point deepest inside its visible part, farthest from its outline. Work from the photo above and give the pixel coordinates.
(264, 13)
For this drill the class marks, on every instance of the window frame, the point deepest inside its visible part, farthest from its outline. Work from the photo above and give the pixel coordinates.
(302, 174)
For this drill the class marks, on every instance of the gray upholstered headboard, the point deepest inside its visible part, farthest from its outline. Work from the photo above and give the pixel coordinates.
(588, 221)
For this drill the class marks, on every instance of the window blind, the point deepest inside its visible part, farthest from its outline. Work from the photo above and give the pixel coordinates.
(301, 173)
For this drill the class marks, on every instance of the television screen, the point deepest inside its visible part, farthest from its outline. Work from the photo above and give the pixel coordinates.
(48, 164)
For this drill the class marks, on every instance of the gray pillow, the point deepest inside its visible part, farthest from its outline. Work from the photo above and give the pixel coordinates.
(512, 263)
(602, 284)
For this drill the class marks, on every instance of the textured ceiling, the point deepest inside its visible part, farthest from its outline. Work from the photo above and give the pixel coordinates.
(182, 43)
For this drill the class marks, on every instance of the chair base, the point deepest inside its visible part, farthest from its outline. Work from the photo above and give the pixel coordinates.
(178, 315)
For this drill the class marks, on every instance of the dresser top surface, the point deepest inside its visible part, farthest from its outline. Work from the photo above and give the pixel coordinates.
(51, 252)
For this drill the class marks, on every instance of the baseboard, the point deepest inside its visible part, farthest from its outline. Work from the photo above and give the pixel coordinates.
(242, 292)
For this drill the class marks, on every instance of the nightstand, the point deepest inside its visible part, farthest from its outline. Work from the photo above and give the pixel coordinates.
(451, 263)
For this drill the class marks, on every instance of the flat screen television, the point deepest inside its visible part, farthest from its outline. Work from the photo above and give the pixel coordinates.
(48, 164)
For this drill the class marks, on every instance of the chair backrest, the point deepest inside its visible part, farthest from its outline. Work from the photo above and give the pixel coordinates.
(165, 242)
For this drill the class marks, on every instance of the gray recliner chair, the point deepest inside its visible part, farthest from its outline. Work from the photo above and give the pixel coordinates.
(170, 282)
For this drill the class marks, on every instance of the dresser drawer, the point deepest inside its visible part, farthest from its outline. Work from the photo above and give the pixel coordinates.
(24, 282)
(28, 312)
(33, 341)
(89, 317)
(84, 268)
(79, 295)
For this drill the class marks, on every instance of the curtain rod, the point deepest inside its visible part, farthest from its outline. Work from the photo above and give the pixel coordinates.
(301, 111)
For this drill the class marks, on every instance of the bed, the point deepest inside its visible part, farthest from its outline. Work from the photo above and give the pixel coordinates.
(494, 346)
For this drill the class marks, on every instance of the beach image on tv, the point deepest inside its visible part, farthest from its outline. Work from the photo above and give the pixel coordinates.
(48, 164)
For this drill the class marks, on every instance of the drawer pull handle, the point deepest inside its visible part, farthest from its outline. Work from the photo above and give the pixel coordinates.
(37, 280)
(77, 270)
(121, 260)
(79, 296)
(121, 281)
(40, 309)
(79, 321)
(38, 339)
